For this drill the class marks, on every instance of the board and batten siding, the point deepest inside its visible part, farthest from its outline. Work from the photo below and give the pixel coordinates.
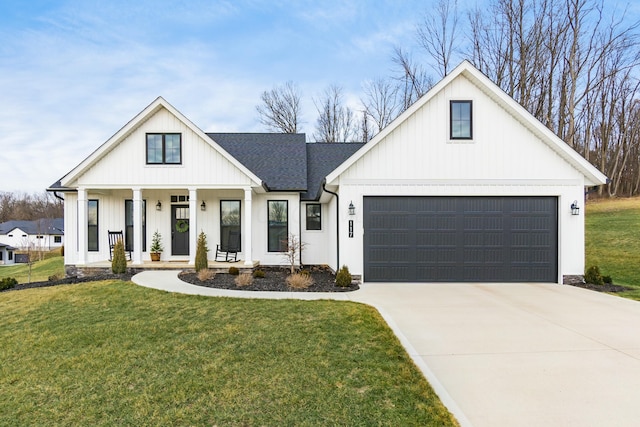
(505, 158)
(125, 165)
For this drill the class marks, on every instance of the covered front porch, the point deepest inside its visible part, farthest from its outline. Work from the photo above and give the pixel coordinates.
(177, 215)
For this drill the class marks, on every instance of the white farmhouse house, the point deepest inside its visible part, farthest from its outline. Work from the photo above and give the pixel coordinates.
(43, 234)
(465, 185)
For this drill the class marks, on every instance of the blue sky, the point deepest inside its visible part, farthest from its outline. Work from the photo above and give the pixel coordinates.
(72, 72)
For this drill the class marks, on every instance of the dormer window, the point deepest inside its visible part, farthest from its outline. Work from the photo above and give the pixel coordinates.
(461, 119)
(164, 148)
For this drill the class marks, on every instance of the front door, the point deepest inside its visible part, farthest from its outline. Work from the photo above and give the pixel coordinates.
(180, 230)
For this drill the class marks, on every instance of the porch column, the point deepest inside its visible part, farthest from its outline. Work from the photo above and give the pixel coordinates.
(82, 226)
(246, 241)
(193, 225)
(136, 256)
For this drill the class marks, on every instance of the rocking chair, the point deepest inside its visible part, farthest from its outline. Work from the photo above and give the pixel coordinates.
(230, 250)
(114, 236)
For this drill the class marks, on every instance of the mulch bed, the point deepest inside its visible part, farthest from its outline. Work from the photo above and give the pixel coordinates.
(69, 281)
(323, 281)
(607, 287)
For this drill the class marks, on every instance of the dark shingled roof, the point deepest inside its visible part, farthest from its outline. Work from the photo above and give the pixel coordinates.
(322, 158)
(279, 159)
(42, 226)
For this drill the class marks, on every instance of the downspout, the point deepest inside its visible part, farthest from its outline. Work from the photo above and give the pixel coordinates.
(57, 196)
(324, 182)
(300, 232)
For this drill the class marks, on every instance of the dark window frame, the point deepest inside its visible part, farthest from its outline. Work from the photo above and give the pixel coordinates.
(313, 215)
(282, 244)
(454, 119)
(128, 225)
(164, 148)
(224, 237)
(57, 239)
(93, 234)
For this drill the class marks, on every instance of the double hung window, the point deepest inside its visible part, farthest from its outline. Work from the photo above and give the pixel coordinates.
(164, 148)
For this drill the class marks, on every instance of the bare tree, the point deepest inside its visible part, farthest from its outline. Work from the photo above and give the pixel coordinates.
(438, 34)
(27, 207)
(413, 81)
(336, 121)
(381, 102)
(280, 108)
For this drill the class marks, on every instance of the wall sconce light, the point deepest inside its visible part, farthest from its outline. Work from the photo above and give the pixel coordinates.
(158, 206)
(352, 209)
(203, 206)
(575, 209)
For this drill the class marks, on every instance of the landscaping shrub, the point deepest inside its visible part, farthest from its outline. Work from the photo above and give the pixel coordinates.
(206, 274)
(53, 278)
(593, 276)
(607, 280)
(234, 271)
(259, 274)
(305, 272)
(343, 278)
(119, 262)
(7, 283)
(299, 281)
(244, 279)
(201, 253)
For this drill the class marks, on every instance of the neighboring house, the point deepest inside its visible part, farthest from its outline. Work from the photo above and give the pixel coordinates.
(465, 185)
(7, 254)
(42, 234)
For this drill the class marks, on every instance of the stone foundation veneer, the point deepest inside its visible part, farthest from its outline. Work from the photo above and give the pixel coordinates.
(572, 279)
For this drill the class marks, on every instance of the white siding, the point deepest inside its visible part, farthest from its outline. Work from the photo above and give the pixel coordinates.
(125, 165)
(318, 242)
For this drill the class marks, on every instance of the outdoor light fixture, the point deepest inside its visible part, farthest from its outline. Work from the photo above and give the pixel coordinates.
(352, 209)
(158, 206)
(203, 206)
(575, 209)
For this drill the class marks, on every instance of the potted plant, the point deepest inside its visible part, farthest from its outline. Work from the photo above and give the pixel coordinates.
(156, 246)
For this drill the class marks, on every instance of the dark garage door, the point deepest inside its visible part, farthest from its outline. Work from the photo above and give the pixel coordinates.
(460, 239)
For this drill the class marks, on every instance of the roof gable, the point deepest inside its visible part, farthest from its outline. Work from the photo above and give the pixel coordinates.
(469, 72)
(112, 143)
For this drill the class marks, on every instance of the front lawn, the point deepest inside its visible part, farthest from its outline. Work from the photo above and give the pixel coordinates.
(112, 353)
(613, 241)
(40, 270)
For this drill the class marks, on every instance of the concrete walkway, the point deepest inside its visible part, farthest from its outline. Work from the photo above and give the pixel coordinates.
(503, 354)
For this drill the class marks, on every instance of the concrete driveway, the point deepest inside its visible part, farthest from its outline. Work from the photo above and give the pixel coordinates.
(520, 354)
(503, 354)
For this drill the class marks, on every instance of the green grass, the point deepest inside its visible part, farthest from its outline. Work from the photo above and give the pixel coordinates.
(613, 243)
(112, 353)
(40, 270)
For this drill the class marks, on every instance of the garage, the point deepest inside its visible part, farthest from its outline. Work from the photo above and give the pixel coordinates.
(460, 239)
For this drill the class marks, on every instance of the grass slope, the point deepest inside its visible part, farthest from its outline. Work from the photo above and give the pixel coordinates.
(40, 270)
(612, 243)
(111, 353)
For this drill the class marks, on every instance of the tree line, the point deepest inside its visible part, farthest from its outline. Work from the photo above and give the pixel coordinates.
(29, 207)
(573, 64)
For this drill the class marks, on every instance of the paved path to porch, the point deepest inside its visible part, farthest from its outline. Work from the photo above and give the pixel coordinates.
(502, 354)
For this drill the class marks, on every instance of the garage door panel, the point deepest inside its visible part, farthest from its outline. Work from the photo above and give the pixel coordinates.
(501, 239)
